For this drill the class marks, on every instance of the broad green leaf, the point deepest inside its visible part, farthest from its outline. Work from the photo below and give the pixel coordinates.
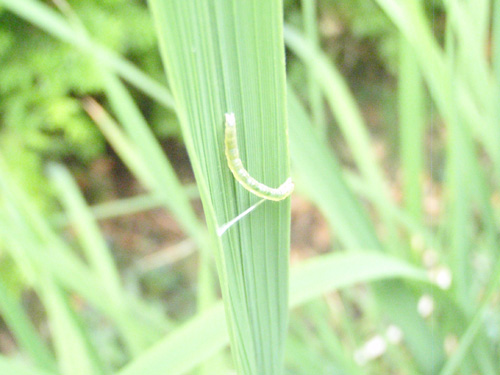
(228, 57)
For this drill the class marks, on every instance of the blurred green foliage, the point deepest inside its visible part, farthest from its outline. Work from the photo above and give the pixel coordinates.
(359, 28)
(42, 81)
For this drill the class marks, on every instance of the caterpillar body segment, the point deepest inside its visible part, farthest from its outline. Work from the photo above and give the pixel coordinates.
(241, 174)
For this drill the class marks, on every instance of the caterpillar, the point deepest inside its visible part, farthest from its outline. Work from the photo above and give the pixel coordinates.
(241, 174)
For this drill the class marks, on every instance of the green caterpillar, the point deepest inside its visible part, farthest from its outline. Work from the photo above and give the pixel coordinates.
(241, 174)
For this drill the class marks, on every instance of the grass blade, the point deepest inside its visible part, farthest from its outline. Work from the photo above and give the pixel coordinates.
(318, 276)
(23, 330)
(344, 107)
(320, 177)
(97, 253)
(411, 128)
(309, 16)
(75, 354)
(222, 58)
